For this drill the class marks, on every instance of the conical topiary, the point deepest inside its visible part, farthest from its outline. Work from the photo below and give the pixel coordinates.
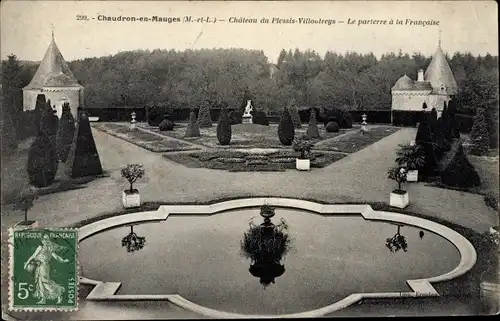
(65, 133)
(42, 161)
(204, 119)
(460, 172)
(224, 129)
(479, 134)
(83, 159)
(286, 130)
(312, 128)
(9, 137)
(294, 114)
(40, 108)
(425, 139)
(192, 129)
(49, 124)
(452, 111)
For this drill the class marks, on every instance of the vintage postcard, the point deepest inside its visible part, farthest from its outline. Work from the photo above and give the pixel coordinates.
(249, 159)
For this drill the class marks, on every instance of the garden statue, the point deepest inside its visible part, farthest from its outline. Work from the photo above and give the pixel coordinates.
(247, 116)
(133, 121)
(265, 245)
(364, 124)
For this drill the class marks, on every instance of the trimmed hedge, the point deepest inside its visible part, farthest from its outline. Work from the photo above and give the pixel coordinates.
(65, 133)
(286, 128)
(235, 117)
(224, 129)
(479, 134)
(294, 114)
(83, 158)
(312, 127)
(332, 127)
(42, 161)
(204, 119)
(260, 118)
(460, 172)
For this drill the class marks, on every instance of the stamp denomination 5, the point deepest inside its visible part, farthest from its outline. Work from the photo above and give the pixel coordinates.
(43, 270)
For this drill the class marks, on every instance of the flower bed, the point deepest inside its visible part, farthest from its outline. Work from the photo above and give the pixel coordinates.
(149, 141)
(356, 141)
(243, 135)
(237, 161)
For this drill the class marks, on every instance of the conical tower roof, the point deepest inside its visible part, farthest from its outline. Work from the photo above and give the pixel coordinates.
(439, 73)
(53, 71)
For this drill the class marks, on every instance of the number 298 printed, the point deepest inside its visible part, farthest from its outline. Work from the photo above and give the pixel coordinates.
(43, 270)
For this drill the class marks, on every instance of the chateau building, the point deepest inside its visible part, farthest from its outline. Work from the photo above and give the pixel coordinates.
(55, 80)
(434, 87)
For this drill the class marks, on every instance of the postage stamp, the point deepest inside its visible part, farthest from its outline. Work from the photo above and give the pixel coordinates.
(43, 270)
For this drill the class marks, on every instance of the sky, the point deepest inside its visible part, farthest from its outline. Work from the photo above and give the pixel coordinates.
(465, 26)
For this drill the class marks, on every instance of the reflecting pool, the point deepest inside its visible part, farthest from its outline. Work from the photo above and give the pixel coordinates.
(315, 261)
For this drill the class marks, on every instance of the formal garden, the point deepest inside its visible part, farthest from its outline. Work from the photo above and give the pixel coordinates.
(361, 210)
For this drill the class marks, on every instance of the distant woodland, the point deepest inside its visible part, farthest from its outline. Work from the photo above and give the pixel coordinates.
(220, 77)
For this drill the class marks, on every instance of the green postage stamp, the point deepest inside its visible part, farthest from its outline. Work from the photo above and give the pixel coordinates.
(43, 270)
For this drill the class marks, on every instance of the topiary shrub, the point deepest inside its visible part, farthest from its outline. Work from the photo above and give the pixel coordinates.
(166, 124)
(479, 134)
(192, 129)
(40, 107)
(154, 115)
(49, 124)
(452, 111)
(8, 132)
(42, 161)
(460, 172)
(260, 118)
(286, 130)
(65, 133)
(235, 117)
(83, 159)
(332, 127)
(312, 128)
(425, 139)
(440, 143)
(223, 129)
(294, 114)
(347, 120)
(204, 119)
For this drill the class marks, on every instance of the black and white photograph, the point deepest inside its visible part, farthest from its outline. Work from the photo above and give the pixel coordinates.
(249, 159)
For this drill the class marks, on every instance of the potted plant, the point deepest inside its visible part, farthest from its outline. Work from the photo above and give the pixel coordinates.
(131, 197)
(411, 157)
(399, 197)
(24, 202)
(304, 146)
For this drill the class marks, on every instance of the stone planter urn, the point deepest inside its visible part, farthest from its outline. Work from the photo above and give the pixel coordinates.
(131, 199)
(303, 164)
(399, 199)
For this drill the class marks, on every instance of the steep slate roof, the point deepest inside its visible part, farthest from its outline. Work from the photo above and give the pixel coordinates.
(439, 73)
(53, 71)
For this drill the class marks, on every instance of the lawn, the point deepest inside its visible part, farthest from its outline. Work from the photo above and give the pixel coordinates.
(148, 141)
(243, 135)
(239, 161)
(356, 141)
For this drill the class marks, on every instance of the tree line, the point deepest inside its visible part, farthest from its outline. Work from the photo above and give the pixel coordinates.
(221, 77)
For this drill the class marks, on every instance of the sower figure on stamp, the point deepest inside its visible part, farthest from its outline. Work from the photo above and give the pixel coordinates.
(39, 262)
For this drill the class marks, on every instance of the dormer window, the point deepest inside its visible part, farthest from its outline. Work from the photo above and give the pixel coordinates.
(443, 88)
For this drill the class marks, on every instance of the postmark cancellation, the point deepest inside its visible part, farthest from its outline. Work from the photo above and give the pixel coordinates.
(43, 270)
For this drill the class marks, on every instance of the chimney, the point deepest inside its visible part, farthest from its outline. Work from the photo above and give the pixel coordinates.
(420, 75)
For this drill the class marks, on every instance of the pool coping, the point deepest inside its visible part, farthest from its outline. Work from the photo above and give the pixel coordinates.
(420, 287)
